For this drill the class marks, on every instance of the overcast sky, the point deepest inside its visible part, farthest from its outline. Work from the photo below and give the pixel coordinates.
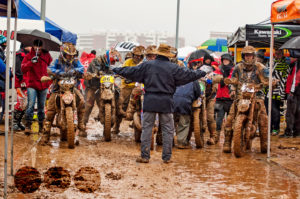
(197, 17)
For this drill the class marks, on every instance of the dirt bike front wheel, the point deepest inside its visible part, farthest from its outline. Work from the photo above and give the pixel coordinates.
(70, 127)
(238, 136)
(197, 129)
(107, 122)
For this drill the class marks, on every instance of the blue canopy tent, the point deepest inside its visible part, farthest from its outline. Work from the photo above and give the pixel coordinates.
(26, 11)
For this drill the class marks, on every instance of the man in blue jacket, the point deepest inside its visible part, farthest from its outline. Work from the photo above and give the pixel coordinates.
(64, 65)
(183, 100)
(160, 78)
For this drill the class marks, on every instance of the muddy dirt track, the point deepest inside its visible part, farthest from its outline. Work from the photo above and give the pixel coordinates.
(194, 173)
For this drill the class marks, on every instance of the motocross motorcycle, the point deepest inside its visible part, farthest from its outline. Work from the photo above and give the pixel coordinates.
(65, 106)
(246, 120)
(138, 95)
(107, 101)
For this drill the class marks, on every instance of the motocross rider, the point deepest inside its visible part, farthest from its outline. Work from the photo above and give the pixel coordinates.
(247, 71)
(210, 94)
(64, 65)
(127, 86)
(92, 92)
(137, 91)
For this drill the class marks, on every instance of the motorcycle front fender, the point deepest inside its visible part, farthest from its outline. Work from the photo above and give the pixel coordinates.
(107, 94)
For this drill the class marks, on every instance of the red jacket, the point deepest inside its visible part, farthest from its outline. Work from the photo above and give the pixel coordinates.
(290, 78)
(34, 71)
(223, 92)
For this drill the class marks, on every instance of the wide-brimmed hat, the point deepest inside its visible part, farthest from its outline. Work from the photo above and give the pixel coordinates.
(164, 50)
(138, 50)
(151, 50)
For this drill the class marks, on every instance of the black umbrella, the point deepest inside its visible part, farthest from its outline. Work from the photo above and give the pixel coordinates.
(293, 43)
(198, 54)
(27, 37)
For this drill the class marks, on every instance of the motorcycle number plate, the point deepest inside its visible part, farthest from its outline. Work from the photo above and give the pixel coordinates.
(107, 78)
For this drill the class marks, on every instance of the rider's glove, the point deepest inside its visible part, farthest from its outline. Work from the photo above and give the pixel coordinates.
(34, 59)
(209, 81)
(232, 94)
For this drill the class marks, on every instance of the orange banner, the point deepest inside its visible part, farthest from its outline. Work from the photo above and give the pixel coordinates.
(285, 11)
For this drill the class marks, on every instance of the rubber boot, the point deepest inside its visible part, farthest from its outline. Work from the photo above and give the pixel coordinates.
(18, 126)
(213, 135)
(227, 142)
(41, 126)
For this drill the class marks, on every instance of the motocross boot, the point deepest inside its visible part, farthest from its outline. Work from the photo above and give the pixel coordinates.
(217, 137)
(130, 109)
(213, 135)
(46, 133)
(82, 131)
(227, 142)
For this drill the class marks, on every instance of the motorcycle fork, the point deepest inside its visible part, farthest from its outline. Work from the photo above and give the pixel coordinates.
(249, 125)
(75, 115)
(62, 113)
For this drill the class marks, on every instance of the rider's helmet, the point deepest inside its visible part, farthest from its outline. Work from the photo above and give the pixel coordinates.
(68, 52)
(248, 50)
(113, 56)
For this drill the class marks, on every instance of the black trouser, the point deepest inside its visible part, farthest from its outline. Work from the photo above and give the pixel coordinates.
(293, 115)
(275, 113)
(221, 107)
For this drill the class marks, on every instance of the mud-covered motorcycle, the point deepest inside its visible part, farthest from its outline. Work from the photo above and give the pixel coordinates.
(107, 110)
(135, 106)
(199, 122)
(246, 120)
(65, 106)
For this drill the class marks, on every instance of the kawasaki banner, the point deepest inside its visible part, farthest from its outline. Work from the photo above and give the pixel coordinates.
(282, 33)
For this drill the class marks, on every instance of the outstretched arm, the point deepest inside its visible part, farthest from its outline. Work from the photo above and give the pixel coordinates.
(135, 73)
(183, 75)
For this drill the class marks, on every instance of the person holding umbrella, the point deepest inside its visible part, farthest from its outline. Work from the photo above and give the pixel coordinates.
(35, 65)
(21, 89)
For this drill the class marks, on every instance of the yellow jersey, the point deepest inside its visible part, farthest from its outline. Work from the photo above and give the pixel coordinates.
(128, 63)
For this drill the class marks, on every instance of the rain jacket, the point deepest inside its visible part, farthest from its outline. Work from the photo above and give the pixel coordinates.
(35, 71)
(184, 97)
(223, 90)
(60, 66)
(160, 78)
(293, 80)
(128, 63)
(20, 77)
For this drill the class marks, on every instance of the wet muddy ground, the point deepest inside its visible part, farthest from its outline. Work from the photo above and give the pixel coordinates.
(98, 169)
